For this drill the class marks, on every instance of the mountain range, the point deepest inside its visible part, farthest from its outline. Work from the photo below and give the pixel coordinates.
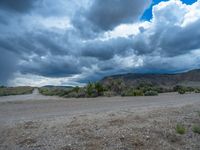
(190, 78)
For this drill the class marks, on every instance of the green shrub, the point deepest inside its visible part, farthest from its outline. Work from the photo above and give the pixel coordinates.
(127, 93)
(115, 85)
(181, 91)
(82, 93)
(138, 93)
(99, 88)
(89, 89)
(198, 113)
(145, 87)
(196, 129)
(132, 92)
(151, 93)
(189, 89)
(197, 91)
(62, 92)
(94, 89)
(109, 93)
(71, 95)
(76, 89)
(177, 88)
(180, 129)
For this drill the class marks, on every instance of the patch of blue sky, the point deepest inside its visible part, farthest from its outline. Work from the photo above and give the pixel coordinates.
(148, 13)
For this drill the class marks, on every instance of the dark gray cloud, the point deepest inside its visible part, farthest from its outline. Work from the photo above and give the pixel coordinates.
(3, 20)
(108, 14)
(169, 41)
(51, 42)
(20, 6)
(41, 53)
(104, 50)
(8, 65)
(181, 40)
(51, 66)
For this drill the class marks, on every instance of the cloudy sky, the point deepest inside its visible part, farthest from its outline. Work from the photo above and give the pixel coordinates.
(71, 42)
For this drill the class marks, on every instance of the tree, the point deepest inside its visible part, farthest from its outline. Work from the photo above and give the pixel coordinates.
(76, 89)
(99, 88)
(90, 89)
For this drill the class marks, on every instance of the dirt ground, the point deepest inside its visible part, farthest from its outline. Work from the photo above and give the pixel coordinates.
(127, 125)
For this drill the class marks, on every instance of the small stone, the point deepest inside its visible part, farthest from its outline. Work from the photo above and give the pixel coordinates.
(147, 137)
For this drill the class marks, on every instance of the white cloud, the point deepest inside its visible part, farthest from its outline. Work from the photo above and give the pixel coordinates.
(193, 13)
(128, 62)
(126, 30)
(55, 22)
(38, 81)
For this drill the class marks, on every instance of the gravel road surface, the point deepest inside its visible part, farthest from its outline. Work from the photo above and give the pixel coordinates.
(36, 106)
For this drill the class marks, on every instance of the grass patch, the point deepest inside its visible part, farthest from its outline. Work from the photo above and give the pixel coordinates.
(196, 129)
(180, 129)
(5, 91)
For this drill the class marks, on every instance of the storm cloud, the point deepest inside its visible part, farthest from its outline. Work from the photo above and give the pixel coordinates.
(108, 14)
(73, 42)
(7, 66)
(20, 6)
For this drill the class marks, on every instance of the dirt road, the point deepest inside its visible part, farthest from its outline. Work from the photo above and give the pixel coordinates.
(36, 106)
(27, 97)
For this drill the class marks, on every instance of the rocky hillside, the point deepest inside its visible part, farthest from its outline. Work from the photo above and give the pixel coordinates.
(190, 78)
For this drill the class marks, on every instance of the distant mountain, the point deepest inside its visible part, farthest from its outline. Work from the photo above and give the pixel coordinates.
(190, 78)
(60, 87)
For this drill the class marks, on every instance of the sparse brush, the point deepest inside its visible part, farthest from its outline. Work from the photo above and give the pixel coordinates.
(180, 129)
